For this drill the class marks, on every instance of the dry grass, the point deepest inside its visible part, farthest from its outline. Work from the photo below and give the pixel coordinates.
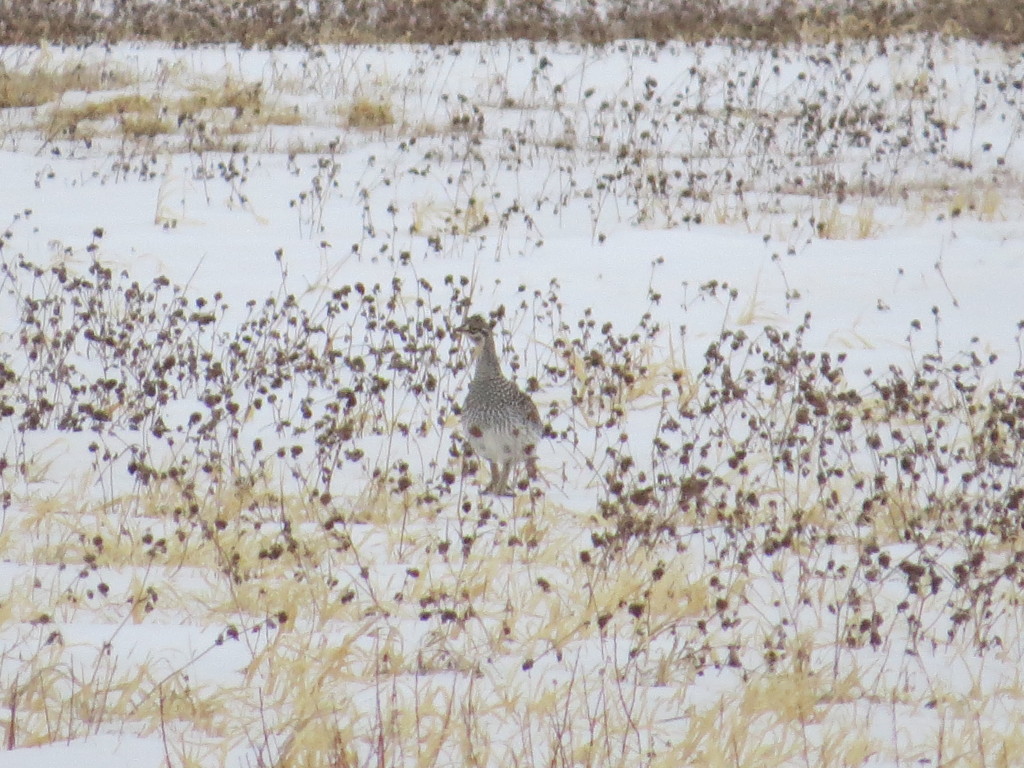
(238, 98)
(836, 222)
(42, 84)
(72, 121)
(142, 125)
(979, 200)
(845, 159)
(219, 114)
(267, 23)
(299, 569)
(367, 114)
(728, 592)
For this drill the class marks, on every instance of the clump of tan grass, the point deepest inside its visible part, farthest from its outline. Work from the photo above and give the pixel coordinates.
(224, 112)
(241, 98)
(42, 84)
(145, 125)
(87, 119)
(982, 201)
(368, 114)
(837, 222)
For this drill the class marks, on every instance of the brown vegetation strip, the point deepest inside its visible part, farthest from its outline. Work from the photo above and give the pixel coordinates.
(269, 23)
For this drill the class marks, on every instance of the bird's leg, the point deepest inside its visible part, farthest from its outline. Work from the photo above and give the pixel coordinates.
(492, 487)
(503, 489)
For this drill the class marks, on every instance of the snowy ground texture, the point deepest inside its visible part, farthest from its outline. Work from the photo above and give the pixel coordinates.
(767, 299)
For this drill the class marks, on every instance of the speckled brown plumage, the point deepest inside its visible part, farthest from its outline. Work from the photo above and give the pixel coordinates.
(500, 421)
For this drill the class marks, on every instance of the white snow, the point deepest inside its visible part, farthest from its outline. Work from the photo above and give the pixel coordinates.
(523, 168)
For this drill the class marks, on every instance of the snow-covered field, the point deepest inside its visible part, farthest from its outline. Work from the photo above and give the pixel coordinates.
(767, 300)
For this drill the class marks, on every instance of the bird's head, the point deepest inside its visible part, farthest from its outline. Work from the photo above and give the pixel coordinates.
(476, 328)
